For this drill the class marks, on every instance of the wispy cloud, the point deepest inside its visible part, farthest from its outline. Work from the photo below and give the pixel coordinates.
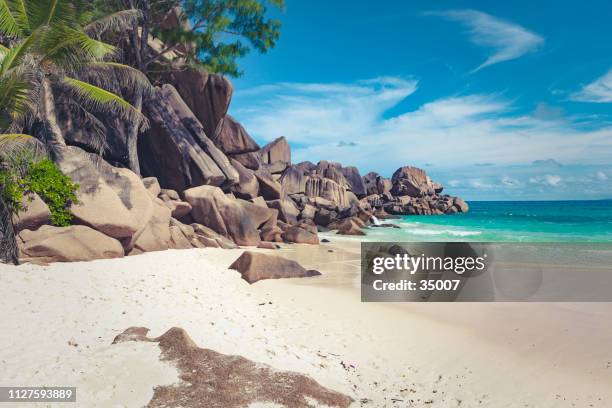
(599, 91)
(477, 137)
(508, 40)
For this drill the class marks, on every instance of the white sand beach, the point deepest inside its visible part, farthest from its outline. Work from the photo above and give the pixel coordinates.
(59, 321)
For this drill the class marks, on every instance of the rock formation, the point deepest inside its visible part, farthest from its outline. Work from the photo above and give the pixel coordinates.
(255, 266)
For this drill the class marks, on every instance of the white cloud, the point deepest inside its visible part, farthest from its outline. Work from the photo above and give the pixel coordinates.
(599, 91)
(552, 179)
(601, 176)
(509, 40)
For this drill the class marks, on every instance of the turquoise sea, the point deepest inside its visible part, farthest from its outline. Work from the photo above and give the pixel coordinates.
(508, 221)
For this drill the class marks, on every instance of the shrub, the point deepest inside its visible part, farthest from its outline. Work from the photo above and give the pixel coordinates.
(45, 179)
(55, 188)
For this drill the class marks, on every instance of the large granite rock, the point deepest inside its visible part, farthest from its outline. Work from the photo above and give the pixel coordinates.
(255, 266)
(247, 186)
(293, 180)
(226, 216)
(317, 186)
(36, 213)
(176, 149)
(207, 95)
(354, 180)
(67, 244)
(276, 151)
(300, 235)
(156, 234)
(232, 138)
(411, 181)
(376, 184)
(269, 188)
(110, 200)
(287, 210)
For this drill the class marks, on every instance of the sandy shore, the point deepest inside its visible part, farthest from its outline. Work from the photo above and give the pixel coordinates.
(59, 321)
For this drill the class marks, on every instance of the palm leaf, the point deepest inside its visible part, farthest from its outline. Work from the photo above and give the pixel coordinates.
(109, 74)
(115, 22)
(14, 145)
(15, 96)
(8, 23)
(101, 100)
(69, 47)
(15, 54)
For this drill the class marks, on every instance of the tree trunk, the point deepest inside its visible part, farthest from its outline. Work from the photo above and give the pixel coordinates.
(132, 137)
(54, 134)
(9, 251)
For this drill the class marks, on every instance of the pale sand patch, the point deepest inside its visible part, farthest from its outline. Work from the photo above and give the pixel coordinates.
(443, 355)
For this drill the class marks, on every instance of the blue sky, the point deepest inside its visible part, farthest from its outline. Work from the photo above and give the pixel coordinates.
(496, 100)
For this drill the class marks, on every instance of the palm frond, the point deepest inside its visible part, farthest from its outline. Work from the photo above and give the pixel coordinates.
(68, 47)
(115, 22)
(15, 54)
(98, 99)
(16, 96)
(13, 146)
(109, 74)
(49, 12)
(9, 25)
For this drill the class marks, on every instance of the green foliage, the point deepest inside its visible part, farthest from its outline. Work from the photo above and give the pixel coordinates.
(225, 30)
(45, 179)
(55, 188)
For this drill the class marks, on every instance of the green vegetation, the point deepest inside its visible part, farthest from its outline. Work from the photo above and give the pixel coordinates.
(45, 179)
(210, 34)
(55, 189)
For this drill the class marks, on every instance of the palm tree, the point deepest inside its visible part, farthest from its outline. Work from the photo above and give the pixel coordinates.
(49, 48)
(53, 50)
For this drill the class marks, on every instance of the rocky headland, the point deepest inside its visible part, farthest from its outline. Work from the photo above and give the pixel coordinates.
(207, 183)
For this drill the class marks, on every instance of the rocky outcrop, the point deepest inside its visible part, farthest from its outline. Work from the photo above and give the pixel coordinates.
(67, 244)
(176, 149)
(255, 266)
(376, 184)
(35, 214)
(411, 181)
(226, 381)
(105, 190)
(247, 186)
(207, 95)
(276, 151)
(354, 180)
(232, 138)
(211, 207)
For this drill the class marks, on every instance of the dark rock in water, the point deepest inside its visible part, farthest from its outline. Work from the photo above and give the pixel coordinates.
(325, 240)
(276, 151)
(208, 96)
(355, 182)
(385, 225)
(255, 266)
(460, 205)
(211, 379)
(232, 138)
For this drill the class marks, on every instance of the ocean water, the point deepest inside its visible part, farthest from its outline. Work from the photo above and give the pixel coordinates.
(508, 221)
